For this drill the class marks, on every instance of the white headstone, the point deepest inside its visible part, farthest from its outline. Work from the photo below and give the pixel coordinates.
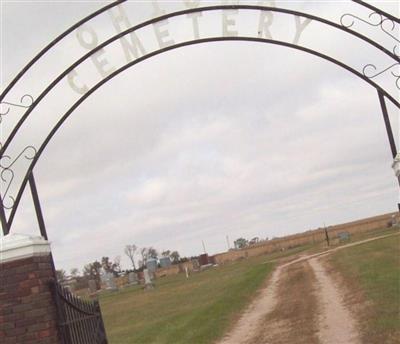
(92, 286)
(147, 280)
(110, 281)
(132, 278)
(187, 272)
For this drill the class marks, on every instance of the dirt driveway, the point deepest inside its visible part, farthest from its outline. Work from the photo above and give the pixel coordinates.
(300, 303)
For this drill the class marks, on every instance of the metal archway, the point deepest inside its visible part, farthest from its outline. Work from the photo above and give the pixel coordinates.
(28, 178)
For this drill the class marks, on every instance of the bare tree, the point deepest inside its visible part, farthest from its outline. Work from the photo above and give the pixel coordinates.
(92, 271)
(152, 253)
(175, 256)
(144, 254)
(113, 267)
(130, 252)
(106, 264)
(254, 241)
(166, 253)
(117, 264)
(61, 275)
(74, 272)
(241, 243)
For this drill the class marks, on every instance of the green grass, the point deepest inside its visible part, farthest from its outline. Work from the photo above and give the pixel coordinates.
(374, 270)
(290, 252)
(196, 310)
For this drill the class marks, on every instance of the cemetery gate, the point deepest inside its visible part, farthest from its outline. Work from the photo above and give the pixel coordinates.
(79, 321)
(373, 30)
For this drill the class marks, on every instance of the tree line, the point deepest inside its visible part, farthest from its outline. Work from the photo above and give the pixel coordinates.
(242, 242)
(138, 258)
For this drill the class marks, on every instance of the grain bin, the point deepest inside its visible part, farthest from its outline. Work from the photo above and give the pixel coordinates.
(151, 264)
(165, 262)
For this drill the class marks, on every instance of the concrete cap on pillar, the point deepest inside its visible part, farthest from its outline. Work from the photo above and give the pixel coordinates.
(16, 246)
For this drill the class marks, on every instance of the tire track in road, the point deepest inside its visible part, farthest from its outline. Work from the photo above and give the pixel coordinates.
(252, 318)
(336, 324)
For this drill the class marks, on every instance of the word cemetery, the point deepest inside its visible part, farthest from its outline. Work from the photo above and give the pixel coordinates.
(134, 46)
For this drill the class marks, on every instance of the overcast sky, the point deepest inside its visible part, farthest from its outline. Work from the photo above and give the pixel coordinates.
(225, 139)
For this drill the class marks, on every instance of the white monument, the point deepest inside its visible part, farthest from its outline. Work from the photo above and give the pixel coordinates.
(147, 280)
(108, 279)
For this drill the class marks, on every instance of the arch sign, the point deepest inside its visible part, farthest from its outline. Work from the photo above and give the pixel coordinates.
(122, 34)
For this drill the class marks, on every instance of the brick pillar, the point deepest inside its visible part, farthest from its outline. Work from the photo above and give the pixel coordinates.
(27, 310)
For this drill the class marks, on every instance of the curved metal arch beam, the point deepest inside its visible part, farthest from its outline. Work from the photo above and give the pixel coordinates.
(377, 10)
(158, 52)
(176, 14)
(107, 7)
(54, 42)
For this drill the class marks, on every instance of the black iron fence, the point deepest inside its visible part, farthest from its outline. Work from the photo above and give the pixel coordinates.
(79, 321)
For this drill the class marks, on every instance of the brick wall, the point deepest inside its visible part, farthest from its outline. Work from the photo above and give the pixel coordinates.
(27, 312)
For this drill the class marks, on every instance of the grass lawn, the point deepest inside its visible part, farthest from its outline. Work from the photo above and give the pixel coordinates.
(372, 270)
(196, 310)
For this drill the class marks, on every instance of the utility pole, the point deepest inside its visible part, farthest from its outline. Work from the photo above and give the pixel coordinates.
(227, 242)
(326, 235)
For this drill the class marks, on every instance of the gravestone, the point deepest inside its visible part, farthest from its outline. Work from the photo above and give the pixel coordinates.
(92, 286)
(133, 278)
(151, 264)
(187, 272)
(109, 281)
(147, 280)
(344, 236)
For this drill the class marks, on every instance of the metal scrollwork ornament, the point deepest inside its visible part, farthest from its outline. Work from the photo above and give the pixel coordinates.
(388, 26)
(25, 102)
(370, 72)
(7, 173)
(375, 19)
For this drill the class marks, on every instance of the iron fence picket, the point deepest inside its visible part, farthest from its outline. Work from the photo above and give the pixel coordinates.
(85, 324)
(92, 322)
(70, 316)
(73, 314)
